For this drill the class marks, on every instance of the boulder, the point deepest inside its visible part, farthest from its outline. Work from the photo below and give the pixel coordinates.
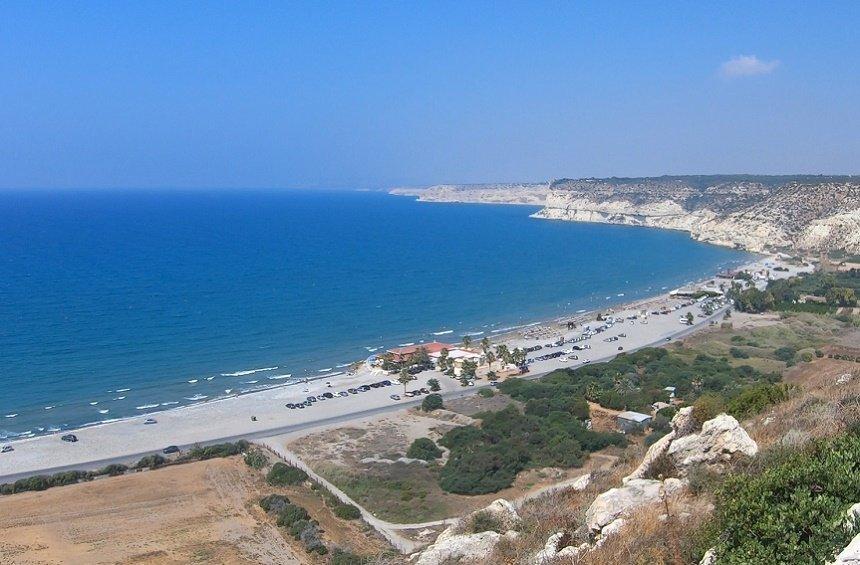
(682, 425)
(616, 502)
(709, 558)
(721, 439)
(466, 548)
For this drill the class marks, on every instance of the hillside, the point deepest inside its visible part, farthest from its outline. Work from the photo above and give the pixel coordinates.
(754, 212)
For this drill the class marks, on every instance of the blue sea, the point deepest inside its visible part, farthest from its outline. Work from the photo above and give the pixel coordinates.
(115, 303)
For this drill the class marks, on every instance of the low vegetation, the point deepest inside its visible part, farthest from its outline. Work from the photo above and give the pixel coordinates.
(424, 448)
(283, 475)
(431, 402)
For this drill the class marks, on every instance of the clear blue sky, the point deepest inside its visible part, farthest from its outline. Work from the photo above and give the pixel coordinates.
(370, 95)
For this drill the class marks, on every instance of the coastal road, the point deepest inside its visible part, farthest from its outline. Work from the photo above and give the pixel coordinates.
(42, 465)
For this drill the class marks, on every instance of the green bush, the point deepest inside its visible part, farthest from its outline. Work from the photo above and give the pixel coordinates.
(283, 475)
(785, 354)
(67, 478)
(39, 482)
(756, 398)
(707, 407)
(112, 470)
(790, 511)
(218, 450)
(486, 393)
(292, 513)
(153, 461)
(434, 385)
(256, 459)
(807, 356)
(738, 353)
(485, 522)
(431, 402)
(347, 512)
(424, 448)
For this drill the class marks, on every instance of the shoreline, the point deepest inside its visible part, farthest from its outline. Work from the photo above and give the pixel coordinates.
(230, 418)
(490, 331)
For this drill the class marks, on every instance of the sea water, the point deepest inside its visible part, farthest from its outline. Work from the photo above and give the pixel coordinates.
(115, 303)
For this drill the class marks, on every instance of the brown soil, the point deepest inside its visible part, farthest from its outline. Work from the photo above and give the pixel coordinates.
(203, 512)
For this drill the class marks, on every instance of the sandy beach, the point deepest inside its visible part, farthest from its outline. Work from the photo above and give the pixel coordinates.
(231, 418)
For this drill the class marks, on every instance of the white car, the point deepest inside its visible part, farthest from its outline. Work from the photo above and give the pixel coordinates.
(7, 449)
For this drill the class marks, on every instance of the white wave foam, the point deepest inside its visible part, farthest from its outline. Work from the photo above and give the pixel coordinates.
(228, 390)
(49, 407)
(119, 398)
(93, 403)
(172, 403)
(250, 382)
(410, 344)
(196, 397)
(248, 372)
(122, 390)
(104, 411)
(11, 415)
(192, 381)
(342, 365)
(279, 377)
(324, 370)
(444, 332)
(146, 406)
(209, 378)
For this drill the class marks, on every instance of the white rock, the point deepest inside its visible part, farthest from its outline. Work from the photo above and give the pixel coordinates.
(550, 549)
(620, 501)
(470, 547)
(720, 439)
(581, 483)
(851, 554)
(709, 558)
(844, 379)
(682, 424)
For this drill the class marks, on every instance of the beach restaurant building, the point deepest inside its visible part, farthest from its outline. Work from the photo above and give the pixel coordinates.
(404, 354)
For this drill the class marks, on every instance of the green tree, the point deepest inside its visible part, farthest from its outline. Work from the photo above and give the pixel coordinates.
(404, 378)
(424, 448)
(467, 341)
(431, 402)
(434, 385)
(689, 318)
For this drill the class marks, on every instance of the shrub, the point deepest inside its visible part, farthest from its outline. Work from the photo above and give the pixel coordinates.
(707, 407)
(347, 512)
(807, 356)
(218, 450)
(341, 557)
(738, 353)
(150, 462)
(431, 402)
(291, 514)
(485, 522)
(256, 459)
(66, 478)
(274, 503)
(424, 448)
(282, 475)
(39, 482)
(819, 353)
(486, 393)
(653, 437)
(434, 385)
(790, 511)
(785, 354)
(754, 399)
(112, 470)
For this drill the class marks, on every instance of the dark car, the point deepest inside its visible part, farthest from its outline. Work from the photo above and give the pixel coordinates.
(352, 391)
(620, 348)
(312, 399)
(328, 395)
(150, 421)
(290, 405)
(424, 391)
(342, 393)
(7, 449)
(386, 383)
(300, 406)
(71, 438)
(170, 449)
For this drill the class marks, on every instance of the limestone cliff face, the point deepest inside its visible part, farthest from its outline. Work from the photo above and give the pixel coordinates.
(757, 213)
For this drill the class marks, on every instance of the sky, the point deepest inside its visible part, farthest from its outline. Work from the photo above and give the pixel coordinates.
(381, 94)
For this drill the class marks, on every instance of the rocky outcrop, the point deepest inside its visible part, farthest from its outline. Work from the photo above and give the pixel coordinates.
(758, 213)
(720, 440)
(622, 501)
(682, 424)
(512, 193)
(457, 543)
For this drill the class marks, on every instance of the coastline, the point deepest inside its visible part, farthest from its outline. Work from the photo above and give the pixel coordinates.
(230, 417)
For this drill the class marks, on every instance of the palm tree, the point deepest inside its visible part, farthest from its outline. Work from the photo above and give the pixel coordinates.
(485, 345)
(404, 378)
(467, 341)
(503, 353)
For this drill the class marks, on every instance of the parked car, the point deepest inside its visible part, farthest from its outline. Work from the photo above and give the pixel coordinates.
(290, 405)
(494, 383)
(386, 383)
(71, 438)
(424, 390)
(409, 394)
(311, 399)
(170, 449)
(343, 393)
(7, 449)
(328, 395)
(620, 348)
(150, 421)
(394, 397)
(352, 391)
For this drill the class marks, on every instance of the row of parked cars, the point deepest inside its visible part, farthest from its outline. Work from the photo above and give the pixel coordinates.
(311, 400)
